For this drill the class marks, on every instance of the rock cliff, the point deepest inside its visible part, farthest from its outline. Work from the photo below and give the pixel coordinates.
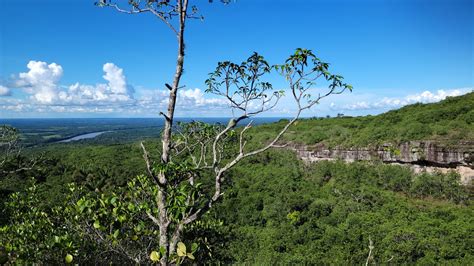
(422, 156)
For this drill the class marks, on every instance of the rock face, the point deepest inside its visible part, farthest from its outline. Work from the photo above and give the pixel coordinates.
(420, 155)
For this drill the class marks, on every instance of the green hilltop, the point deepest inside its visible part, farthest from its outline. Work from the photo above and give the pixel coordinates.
(450, 121)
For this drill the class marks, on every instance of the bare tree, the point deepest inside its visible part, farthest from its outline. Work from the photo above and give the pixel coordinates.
(199, 147)
(249, 95)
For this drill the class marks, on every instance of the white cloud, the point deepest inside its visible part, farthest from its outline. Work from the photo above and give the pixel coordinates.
(117, 82)
(41, 81)
(357, 106)
(47, 95)
(390, 103)
(195, 98)
(115, 91)
(12, 104)
(4, 91)
(427, 96)
(189, 102)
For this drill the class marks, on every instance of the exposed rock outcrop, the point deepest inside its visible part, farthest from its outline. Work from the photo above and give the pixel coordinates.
(422, 156)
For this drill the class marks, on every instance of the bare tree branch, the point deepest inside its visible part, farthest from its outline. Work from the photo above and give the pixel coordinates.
(245, 79)
(371, 247)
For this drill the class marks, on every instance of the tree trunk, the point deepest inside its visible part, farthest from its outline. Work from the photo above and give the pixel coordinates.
(166, 138)
(167, 134)
(175, 238)
(163, 220)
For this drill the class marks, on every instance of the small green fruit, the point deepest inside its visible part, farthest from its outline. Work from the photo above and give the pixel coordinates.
(69, 258)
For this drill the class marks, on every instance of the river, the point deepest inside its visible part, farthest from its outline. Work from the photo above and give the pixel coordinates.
(83, 136)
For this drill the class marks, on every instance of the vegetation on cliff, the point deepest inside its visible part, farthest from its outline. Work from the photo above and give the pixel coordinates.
(449, 122)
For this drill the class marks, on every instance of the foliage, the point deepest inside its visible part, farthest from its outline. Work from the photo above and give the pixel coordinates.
(275, 210)
(87, 226)
(34, 234)
(117, 221)
(282, 212)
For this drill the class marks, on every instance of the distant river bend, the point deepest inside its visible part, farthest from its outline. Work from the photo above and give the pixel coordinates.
(83, 136)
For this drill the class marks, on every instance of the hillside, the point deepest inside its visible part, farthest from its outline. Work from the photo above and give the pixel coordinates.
(448, 122)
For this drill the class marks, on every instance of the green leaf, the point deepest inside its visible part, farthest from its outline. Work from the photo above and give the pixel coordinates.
(122, 218)
(113, 200)
(194, 247)
(189, 255)
(181, 249)
(96, 224)
(116, 233)
(162, 250)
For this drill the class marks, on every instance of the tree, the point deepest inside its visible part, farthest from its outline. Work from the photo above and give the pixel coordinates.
(8, 144)
(199, 149)
(11, 159)
(32, 234)
(165, 10)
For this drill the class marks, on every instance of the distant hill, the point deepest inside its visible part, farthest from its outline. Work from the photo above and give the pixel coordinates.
(450, 121)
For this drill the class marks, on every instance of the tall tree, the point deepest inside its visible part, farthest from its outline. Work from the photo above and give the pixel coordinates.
(165, 10)
(198, 147)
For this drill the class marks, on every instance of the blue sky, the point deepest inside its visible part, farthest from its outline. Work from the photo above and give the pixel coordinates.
(73, 59)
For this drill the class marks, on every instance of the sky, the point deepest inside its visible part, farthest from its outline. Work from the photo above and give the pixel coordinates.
(73, 59)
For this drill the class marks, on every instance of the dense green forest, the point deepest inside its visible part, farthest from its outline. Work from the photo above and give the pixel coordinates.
(275, 209)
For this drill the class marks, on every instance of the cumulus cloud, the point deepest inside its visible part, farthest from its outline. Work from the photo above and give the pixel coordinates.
(115, 91)
(117, 82)
(46, 94)
(41, 81)
(389, 103)
(4, 91)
